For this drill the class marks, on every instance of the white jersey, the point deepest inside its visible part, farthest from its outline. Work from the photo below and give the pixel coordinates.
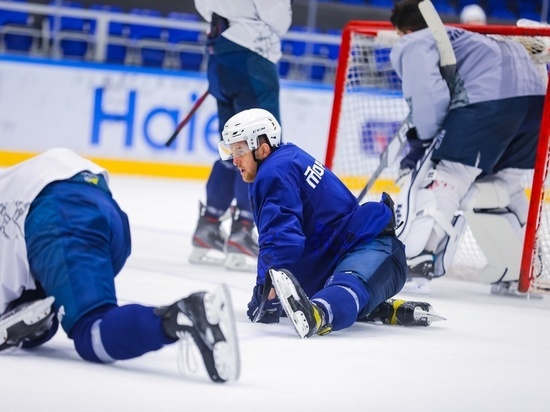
(257, 25)
(19, 186)
(487, 70)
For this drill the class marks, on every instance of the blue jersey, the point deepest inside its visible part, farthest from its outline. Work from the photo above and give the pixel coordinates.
(307, 219)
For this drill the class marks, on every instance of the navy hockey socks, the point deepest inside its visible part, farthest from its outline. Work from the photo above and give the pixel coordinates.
(118, 332)
(341, 300)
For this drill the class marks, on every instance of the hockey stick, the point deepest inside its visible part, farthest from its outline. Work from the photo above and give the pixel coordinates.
(447, 64)
(182, 124)
(389, 156)
(447, 58)
(447, 67)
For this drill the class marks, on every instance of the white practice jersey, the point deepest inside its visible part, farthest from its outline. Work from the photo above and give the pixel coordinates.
(257, 25)
(19, 186)
(487, 70)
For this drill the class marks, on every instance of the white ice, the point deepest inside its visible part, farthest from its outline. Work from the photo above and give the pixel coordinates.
(492, 354)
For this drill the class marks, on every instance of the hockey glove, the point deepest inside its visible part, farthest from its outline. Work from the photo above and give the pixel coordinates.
(417, 149)
(262, 310)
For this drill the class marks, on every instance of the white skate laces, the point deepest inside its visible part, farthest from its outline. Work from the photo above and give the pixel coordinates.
(187, 361)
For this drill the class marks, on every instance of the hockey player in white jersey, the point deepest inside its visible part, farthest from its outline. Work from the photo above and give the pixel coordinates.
(63, 239)
(481, 128)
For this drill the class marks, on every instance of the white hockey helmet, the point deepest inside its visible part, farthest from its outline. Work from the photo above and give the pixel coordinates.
(247, 126)
(473, 14)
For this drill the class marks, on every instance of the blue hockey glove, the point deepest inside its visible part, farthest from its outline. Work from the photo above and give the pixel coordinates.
(417, 149)
(262, 310)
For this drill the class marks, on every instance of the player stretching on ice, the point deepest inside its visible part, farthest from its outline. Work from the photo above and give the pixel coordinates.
(485, 123)
(331, 261)
(63, 239)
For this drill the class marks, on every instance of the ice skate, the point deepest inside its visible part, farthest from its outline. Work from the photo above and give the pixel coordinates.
(511, 289)
(306, 316)
(421, 272)
(241, 247)
(26, 322)
(208, 318)
(208, 240)
(406, 313)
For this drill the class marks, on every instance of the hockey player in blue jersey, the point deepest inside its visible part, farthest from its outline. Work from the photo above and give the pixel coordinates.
(329, 260)
(63, 239)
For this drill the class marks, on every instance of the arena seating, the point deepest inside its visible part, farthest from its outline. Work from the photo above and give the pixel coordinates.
(176, 40)
(74, 32)
(118, 35)
(187, 50)
(18, 33)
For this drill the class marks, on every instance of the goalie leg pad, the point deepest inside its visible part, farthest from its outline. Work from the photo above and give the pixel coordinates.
(510, 179)
(498, 231)
(405, 204)
(421, 225)
(497, 236)
(435, 205)
(446, 250)
(486, 193)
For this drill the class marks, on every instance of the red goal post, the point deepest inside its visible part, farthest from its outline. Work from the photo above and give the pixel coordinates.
(368, 109)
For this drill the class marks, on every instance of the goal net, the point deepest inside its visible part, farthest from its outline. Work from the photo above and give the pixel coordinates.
(369, 108)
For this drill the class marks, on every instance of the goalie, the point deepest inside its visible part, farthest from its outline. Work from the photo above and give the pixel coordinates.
(475, 136)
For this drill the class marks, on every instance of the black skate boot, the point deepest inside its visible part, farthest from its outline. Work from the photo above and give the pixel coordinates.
(241, 247)
(306, 316)
(26, 322)
(208, 318)
(208, 237)
(421, 272)
(401, 312)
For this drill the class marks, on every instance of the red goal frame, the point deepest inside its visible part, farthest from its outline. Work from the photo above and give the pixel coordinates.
(537, 197)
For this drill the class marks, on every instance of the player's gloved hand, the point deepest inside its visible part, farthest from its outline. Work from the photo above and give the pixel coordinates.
(261, 309)
(417, 148)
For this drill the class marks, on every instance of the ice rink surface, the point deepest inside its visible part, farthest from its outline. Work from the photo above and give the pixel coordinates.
(492, 354)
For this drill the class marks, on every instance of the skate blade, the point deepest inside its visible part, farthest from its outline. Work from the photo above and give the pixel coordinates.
(526, 296)
(285, 291)
(516, 294)
(430, 316)
(210, 257)
(240, 262)
(29, 315)
(219, 310)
